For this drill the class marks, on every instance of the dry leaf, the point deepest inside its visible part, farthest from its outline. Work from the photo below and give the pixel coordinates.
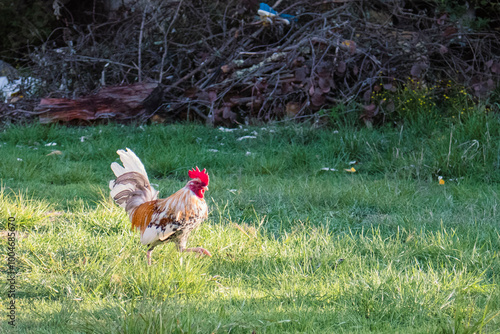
(495, 68)
(449, 31)
(285, 87)
(191, 92)
(298, 62)
(311, 90)
(367, 96)
(212, 96)
(292, 109)
(324, 85)
(261, 86)
(370, 111)
(390, 87)
(417, 69)
(442, 19)
(318, 98)
(301, 74)
(349, 45)
(342, 67)
(323, 70)
(155, 119)
(227, 113)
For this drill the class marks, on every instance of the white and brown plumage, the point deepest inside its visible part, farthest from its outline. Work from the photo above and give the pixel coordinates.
(159, 220)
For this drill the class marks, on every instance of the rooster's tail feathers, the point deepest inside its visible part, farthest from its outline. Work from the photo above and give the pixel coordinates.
(131, 187)
(131, 163)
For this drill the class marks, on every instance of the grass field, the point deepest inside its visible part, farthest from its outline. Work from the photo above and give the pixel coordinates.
(296, 249)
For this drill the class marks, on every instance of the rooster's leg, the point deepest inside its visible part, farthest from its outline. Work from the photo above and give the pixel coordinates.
(199, 250)
(148, 256)
(181, 246)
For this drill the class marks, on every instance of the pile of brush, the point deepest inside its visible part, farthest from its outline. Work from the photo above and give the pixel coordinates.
(232, 62)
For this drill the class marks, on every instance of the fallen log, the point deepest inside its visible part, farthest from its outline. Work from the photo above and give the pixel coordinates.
(129, 102)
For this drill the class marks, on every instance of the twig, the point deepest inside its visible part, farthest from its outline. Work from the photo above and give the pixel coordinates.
(101, 60)
(141, 32)
(165, 45)
(277, 3)
(198, 112)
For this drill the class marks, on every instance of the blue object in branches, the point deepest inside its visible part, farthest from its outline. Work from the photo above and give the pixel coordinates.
(269, 15)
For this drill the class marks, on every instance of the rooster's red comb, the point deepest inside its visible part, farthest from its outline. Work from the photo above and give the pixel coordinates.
(202, 175)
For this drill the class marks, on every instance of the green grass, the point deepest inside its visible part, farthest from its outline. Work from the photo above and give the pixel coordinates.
(296, 249)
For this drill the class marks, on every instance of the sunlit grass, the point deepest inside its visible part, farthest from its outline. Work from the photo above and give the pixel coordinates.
(296, 249)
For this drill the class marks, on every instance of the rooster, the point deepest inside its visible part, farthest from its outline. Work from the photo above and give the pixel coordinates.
(159, 220)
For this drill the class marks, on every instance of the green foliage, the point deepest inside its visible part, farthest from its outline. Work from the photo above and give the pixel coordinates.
(429, 107)
(475, 14)
(296, 249)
